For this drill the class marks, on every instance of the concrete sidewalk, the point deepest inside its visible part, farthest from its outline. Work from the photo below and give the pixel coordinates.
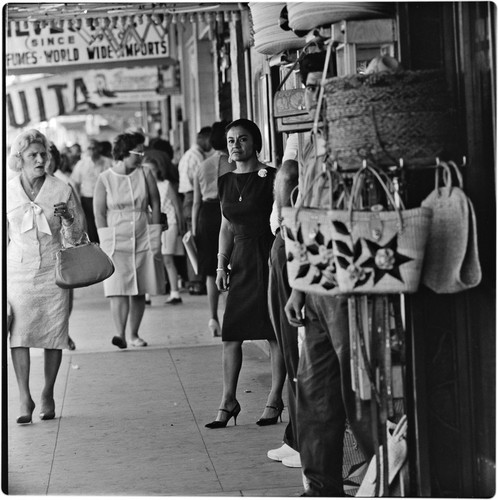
(131, 422)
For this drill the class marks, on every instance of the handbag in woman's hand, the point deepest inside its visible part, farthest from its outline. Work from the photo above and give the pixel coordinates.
(82, 265)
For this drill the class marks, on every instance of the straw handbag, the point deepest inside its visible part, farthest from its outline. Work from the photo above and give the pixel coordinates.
(383, 117)
(379, 251)
(308, 239)
(452, 259)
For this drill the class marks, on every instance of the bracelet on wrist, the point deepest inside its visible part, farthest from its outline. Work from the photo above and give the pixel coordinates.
(222, 255)
(220, 269)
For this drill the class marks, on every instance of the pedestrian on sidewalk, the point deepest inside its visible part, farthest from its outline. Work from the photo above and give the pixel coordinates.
(206, 216)
(187, 167)
(171, 239)
(41, 211)
(325, 395)
(245, 240)
(123, 195)
(84, 177)
(279, 293)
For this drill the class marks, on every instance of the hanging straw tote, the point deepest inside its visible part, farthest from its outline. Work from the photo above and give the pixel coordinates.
(452, 258)
(383, 117)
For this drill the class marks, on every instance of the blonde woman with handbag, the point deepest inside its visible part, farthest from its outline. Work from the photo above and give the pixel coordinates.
(41, 210)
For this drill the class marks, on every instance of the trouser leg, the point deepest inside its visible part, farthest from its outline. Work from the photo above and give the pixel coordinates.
(278, 293)
(336, 319)
(320, 411)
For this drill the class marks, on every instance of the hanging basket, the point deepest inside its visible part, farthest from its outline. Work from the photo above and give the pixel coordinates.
(384, 117)
(269, 37)
(309, 15)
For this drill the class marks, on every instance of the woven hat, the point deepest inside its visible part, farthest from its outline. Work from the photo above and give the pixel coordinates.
(451, 262)
(269, 37)
(309, 15)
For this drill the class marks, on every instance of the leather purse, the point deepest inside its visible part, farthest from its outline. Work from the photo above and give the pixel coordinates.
(290, 112)
(82, 265)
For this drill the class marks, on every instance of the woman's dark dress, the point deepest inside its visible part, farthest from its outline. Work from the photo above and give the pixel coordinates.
(246, 313)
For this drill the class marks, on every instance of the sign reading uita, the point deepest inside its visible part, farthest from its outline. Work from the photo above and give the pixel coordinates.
(30, 49)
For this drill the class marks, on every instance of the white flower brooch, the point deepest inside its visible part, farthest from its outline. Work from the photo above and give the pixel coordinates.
(262, 172)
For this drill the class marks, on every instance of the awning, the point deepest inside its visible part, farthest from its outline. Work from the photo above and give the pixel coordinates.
(55, 38)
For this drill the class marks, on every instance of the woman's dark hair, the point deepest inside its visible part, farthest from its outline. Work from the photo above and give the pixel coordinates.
(312, 62)
(162, 145)
(106, 149)
(161, 169)
(124, 143)
(251, 127)
(218, 138)
(55, 155)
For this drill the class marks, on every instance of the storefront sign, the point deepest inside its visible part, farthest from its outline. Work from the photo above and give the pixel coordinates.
(33, 49)
(39, 100)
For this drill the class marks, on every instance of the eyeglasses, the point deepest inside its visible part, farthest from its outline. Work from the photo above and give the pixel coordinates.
(138, 153)
(310, 87)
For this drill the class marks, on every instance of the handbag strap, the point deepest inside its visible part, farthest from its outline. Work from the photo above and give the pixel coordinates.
(328, 174)
(322, 88)
(85, 240)
(296, 62)
(447, 167)
(357, 180)
(146, 186)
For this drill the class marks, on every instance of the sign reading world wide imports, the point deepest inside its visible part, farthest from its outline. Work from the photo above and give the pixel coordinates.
(50, 49)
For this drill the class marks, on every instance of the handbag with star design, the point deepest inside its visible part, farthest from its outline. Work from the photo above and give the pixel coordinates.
(353, 251)
(307, 233)
(378, 251)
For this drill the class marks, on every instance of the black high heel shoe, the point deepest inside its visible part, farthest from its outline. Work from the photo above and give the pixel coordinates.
(271, 420)
(219, 424)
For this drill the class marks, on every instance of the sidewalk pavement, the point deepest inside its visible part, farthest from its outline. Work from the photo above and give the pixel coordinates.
(131, 422)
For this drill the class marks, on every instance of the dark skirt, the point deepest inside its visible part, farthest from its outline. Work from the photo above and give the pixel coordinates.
(206, 239)
(246, 313)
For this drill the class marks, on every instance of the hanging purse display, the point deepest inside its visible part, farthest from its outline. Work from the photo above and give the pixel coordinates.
(378, 251)
(82, 265)
(452, 259)
(290, 113)
(289, 110)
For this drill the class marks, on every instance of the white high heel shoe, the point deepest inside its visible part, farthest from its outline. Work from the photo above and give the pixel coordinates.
(214, 327)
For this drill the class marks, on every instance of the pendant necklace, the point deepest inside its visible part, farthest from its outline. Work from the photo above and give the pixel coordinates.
(31, 189)
(240, 191)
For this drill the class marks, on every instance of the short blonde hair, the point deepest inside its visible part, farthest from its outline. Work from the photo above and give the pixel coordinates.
(21, 143)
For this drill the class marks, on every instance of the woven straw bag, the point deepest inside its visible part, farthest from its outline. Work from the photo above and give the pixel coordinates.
(269, 38)
(387, 116)
(308, 15)
(452, 259)
(377, 251)
(308, 239)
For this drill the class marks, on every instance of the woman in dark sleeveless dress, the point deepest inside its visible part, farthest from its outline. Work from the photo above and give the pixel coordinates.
(245, 241)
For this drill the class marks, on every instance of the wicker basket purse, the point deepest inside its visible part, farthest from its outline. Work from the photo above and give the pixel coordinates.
(379, 251)
(387, 116)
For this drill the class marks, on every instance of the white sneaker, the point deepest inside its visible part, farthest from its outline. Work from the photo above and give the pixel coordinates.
(292, 461)
(280, 453)
(306, 483)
